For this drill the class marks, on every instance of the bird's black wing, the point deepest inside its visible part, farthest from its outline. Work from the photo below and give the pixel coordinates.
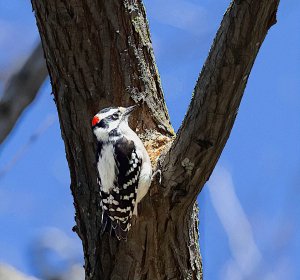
(121, 200)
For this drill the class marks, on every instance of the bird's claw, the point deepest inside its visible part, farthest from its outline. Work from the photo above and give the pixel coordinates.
(158, 171)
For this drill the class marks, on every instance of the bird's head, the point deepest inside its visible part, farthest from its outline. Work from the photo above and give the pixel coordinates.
(110, 120)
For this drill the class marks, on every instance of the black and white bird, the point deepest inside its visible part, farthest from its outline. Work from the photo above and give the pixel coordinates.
(124, 168)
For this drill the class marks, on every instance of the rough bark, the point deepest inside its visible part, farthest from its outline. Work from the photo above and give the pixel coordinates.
(99, 54)
(21, 90)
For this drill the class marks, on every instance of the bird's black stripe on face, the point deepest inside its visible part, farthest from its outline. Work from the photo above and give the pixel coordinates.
(103, 124)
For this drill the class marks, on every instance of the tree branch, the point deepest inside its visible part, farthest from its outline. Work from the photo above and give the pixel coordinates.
(21, 91)
(217, 96)
(99, 54)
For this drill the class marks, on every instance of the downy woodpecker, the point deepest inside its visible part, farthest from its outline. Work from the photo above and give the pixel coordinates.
(124, 168)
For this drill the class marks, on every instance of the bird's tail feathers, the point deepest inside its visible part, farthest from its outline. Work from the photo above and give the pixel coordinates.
(114, 228)
(121, 230)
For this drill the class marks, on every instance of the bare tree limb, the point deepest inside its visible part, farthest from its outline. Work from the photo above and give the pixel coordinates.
(21, 90)
(217, 96)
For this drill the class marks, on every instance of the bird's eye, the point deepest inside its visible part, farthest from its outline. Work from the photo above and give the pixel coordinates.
(115, 116)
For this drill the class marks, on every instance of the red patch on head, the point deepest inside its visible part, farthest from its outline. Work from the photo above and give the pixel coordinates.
(95, 120)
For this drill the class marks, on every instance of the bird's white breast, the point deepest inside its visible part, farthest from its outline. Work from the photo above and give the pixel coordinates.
(107, 168)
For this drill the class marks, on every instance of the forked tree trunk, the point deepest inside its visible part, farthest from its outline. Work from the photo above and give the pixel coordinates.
(99, 54)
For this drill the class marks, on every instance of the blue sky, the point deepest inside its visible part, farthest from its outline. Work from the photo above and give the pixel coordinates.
(249, 225)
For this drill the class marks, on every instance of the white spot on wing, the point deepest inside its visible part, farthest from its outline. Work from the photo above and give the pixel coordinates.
(121, 210)
(117, 190)
(121, 218)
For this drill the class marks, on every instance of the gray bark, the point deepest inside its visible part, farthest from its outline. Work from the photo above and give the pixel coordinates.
(99, 54)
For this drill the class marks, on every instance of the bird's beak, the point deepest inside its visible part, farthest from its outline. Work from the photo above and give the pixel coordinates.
(129, 110)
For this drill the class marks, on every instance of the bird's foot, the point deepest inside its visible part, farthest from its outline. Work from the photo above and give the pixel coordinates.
(158, 171)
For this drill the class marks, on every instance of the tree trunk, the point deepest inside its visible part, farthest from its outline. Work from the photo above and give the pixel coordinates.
(99, 54)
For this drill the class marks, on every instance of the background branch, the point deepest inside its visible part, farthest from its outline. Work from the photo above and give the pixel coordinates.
(21, 90)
